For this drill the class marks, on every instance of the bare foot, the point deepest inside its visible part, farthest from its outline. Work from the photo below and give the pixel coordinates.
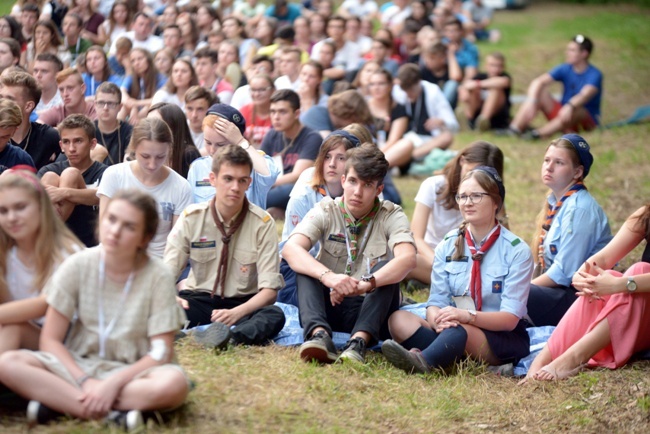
(554, 372)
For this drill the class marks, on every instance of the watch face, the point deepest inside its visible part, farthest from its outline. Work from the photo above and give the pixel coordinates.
(631, 285)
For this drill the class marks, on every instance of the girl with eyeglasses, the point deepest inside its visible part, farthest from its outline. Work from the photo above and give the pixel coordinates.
(479, 289)
(436, 210)
(571, 227)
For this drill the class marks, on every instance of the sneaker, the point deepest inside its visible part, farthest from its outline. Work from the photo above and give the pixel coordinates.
(38, 414)
(127, 420)
(217, 335)
(354, 351)
(319, 347)
(483, 124)
(531, 135)
(411, 362)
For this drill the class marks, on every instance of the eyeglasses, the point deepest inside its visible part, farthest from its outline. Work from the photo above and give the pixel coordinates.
(260, 90)
(107, 104)
(474, 198)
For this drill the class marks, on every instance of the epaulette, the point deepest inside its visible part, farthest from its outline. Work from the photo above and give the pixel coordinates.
(259, 212)
(327, 202)
(510, 237)
(388, 205)
(196, 207)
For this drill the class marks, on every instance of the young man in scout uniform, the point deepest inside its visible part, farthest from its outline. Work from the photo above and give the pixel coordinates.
(231, 245)
(366, 250)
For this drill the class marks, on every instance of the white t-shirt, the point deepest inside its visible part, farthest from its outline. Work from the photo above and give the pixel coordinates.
(241, 97)
(172, 196)
(197, 138)
(348, 57)
(162, 95)
(152, 44)
(441, 220)
(360, 9)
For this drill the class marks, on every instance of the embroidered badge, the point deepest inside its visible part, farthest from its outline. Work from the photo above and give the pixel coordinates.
(553, 249)
(203, 244)
(461, 259)
(373, 262)
(497, 286)
(295, 219)
(244, 269)
(339, 238)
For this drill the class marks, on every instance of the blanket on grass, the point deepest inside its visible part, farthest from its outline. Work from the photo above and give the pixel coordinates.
(291, 334)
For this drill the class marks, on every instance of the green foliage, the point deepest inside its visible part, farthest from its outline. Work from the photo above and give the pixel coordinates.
(645, 3)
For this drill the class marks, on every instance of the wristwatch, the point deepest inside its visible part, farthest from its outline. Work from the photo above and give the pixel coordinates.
(472, 314)
(370, 278)
(245, 144)
(631, 284)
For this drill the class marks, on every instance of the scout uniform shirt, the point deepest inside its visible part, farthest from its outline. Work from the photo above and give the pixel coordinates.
(253, 261)
(506, 270)
(325, 224)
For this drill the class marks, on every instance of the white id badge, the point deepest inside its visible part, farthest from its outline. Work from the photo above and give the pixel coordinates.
(277, 159)
(464, 302)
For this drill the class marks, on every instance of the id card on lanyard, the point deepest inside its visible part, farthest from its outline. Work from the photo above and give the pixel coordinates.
(105, 330)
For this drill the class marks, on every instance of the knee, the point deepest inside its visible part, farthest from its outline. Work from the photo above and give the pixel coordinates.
(399, 324)
(50, 178)
(9, 361)
(171, 390)
(70, 174)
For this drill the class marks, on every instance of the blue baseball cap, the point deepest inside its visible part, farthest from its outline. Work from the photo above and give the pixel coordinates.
(582, 148)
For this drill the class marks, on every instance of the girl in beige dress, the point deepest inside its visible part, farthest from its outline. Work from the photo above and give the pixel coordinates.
(119, 306)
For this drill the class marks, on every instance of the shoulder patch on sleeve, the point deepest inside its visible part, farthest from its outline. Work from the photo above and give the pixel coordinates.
(388, 205)
(195, 207)
(515, 242)
(259, 212)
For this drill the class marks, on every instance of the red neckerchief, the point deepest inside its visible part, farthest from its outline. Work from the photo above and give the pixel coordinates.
(477, 257)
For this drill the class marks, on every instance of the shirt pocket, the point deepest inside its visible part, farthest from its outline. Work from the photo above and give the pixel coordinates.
(458, 277)
(244, 269)
(492, 283)
(373, 253)
(334, 255)
(202, 261)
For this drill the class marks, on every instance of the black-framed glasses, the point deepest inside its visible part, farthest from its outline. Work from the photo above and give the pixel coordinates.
(107, 104)
(474, 198)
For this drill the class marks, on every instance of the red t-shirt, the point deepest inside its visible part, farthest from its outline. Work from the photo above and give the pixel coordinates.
(256, 126)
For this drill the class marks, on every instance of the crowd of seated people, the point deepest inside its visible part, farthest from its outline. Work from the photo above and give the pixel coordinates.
(147, 149)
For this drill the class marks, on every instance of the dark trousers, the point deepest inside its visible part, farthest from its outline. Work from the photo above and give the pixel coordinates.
(547, 306)
(367, 313)
(278, 197)
(288, 294)
(257, 328)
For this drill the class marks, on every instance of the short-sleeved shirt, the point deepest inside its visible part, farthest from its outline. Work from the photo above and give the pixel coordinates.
(506, 270)
(172, 196)
(324, 224)
(83, 220)
(467, 55)
(573, 83)
(12, 156)
(578, 231)
(318, 119)
(441, 220)
(92, 84)
(128, 82)
(293, 12)
(150, 309)
(41, 143)
(304, 146)
(203, 191)
(55, 115)
(256, 126)
(115, 142)
(253, 260)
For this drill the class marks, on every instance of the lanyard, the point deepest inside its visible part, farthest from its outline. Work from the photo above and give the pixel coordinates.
(143, 93)
(104, 331)
(92, 84)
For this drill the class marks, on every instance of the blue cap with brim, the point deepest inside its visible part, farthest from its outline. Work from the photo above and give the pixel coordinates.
(229, 113)
(582, 148)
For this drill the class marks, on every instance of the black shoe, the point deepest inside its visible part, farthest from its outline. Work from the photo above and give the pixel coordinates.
(38, 414)
(531, 135)
(354, 350)
(319, 347)
(408, 361)
(127, 420)
(217, 335)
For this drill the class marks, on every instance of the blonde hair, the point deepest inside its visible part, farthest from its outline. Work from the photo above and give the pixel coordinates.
(53, 239)
(10, 114)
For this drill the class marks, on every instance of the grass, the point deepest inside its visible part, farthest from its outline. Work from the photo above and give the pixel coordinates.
(270, 390)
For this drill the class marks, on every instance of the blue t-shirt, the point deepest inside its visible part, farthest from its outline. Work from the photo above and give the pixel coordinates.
(466, 55)
(13, 156)
(574, 82)
(128, 81)
(293, 12)
(92, 85)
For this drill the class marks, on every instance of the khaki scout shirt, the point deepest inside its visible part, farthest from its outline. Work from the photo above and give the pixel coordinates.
(325, 224)
(253, 262)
